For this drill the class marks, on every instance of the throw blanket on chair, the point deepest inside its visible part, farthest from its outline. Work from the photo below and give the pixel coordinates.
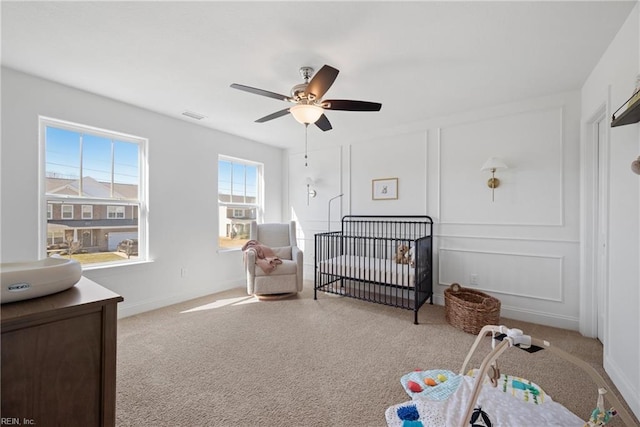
(266, 259)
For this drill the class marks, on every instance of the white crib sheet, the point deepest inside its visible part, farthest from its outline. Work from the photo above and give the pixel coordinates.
(378, 270)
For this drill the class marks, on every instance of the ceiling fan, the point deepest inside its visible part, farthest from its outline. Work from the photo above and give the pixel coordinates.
(307, 96)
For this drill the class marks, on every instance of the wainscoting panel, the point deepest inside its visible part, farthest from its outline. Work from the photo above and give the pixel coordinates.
(323, 171)
(531, 189)
(323, 168)
(516, 274)
(401, 156)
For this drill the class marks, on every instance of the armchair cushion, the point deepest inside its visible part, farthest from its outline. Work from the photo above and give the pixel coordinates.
(283, 252)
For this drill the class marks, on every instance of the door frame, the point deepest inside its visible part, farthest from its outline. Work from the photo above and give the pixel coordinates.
(589, 211)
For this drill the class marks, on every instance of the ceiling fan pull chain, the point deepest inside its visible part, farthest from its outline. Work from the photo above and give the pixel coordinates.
(306, 129)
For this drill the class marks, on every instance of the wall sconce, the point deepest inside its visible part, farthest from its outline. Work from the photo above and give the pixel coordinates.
(310, 192)
(635, 166)
(492, 165)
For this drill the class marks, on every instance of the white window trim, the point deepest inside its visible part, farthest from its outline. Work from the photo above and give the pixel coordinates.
(49, 211)
(82, 212)
(116, 212)
(62, 211)
(143, 188)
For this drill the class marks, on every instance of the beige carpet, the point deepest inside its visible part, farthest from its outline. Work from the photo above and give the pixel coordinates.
(230, 360)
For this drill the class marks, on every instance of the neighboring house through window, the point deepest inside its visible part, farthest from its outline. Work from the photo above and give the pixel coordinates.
(94, 188)
(239, 200)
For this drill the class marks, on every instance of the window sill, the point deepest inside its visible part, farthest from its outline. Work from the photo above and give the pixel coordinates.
(95, 267)
(228, 250)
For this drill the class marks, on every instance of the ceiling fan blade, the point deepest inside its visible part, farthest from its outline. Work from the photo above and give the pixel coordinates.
(261, 92)
(273, 116)
(349, 105)
(321, 81)
(323, 123)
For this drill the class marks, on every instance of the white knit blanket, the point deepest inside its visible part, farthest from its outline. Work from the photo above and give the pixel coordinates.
(501, 408)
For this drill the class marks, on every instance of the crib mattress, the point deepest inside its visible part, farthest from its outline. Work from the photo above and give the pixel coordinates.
(378, 270)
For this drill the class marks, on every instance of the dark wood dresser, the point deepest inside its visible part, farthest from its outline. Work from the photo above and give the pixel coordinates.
(59, 358)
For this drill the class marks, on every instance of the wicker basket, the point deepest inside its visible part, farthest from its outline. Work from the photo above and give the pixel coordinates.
(470, 310)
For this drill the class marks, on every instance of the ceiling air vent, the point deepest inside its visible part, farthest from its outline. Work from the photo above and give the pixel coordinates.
(193, 115)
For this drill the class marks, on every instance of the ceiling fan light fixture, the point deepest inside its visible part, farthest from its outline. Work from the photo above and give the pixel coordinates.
(306, 97)
(306, 113)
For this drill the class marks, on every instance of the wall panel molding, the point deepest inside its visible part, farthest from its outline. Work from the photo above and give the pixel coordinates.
(523, 275)
(512, 239)
(529, 178)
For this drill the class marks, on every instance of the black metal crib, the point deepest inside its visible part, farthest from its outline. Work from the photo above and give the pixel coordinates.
(362, 261)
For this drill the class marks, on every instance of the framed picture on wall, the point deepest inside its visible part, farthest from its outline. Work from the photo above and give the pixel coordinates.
(384, 189)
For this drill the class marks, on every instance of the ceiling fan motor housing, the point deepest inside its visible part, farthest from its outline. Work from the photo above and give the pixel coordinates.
(298, 91)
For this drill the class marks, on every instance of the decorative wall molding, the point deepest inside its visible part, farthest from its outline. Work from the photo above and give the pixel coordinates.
(325, 167)
(561, 203)
(439, 172)
(511, 268)
(426, 165)
(513, 239)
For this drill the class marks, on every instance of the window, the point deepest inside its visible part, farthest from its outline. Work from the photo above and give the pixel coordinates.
(239, 200)
(115, 212)
(67, 211)
(94, 187)
(87, 211)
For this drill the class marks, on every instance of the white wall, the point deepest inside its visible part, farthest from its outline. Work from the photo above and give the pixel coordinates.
(611, 83)
(523, 248)
(183, 211)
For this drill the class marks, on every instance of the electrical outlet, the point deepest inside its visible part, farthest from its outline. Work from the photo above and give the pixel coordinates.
(473, 280)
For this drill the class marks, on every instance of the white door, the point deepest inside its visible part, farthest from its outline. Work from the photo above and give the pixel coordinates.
(601, 273)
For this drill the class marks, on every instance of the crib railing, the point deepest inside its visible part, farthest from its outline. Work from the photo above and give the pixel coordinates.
(358, 261)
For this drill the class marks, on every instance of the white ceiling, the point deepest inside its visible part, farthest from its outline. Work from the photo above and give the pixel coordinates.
(419, 59)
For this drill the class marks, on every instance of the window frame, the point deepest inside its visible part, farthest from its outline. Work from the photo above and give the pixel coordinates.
(68, 211)
(47, 200)
(258, 205)
(90, 211)
(116, 210)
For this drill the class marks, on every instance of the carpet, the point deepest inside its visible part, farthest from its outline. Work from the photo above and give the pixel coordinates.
(230, 360)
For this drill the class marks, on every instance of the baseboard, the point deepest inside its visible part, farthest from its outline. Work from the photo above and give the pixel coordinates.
(532, 316)
(621, 381)
(126, 310)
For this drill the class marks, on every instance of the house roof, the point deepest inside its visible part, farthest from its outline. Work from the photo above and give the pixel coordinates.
(420, 59)
(91, 188)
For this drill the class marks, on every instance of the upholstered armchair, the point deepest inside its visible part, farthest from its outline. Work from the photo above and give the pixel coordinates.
(287, 277)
